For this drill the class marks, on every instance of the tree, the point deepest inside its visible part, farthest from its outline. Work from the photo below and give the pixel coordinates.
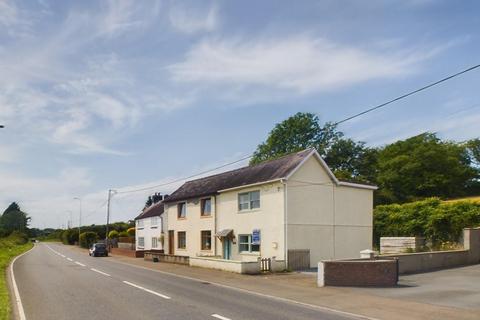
(423, 166)
(87, 239)
(14, 219)
(113, 234)
(347, 158)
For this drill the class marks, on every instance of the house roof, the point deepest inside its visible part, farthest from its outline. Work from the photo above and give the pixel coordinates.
(152, 211)
(273, 170)
(263, 172)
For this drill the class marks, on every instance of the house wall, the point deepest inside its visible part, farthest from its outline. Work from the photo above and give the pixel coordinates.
(193, 224)
(268, 219)
(148, 231)
(333, 222)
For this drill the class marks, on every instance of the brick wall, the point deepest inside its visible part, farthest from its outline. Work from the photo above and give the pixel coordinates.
(358, 273)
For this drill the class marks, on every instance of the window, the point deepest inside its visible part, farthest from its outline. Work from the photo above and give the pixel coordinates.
(182, 239)
(182, 210)
(154, 242)
(245, 244)
(141, 242)
(140, 223)
(206, 236)
(154, 222)
(206, 207)
(249, 200)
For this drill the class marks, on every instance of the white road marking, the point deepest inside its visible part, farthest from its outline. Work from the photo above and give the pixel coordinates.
(62, 255)
(147, 290)
(80, 264)
(69, 259)
(101, 272)
(21, 312)
(220, 317)
(304, 304)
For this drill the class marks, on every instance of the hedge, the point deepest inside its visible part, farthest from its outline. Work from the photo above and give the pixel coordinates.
(87, 239)
(432, 218)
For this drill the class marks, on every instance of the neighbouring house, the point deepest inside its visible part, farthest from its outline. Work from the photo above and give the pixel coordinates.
(149, 228)
(292, 209)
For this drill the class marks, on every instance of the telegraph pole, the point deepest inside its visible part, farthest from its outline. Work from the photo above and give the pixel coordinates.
(111, 192)
(79, 218)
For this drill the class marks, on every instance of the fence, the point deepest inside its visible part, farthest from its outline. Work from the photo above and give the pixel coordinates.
(266, 264)
(298, 259)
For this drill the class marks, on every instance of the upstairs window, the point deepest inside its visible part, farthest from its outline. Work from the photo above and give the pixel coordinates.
(206, 207)
(140, 223)
(154, 222)
(182, 210)
(249, 200)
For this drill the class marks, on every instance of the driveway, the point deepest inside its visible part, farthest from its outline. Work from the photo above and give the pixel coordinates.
(458, 287)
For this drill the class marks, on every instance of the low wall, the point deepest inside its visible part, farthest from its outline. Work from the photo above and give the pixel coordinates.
(126, 252)
(252, 267)
(125, 245)
(150, 255)
(358, 273)
(390, 245)
(427, 261)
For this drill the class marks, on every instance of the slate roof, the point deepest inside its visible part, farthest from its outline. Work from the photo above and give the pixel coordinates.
(266, 171)
(152, 211)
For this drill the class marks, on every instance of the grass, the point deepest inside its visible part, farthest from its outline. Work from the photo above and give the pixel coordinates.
(10, 247)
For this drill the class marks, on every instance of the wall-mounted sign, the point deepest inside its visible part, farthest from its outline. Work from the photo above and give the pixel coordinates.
(256, 236)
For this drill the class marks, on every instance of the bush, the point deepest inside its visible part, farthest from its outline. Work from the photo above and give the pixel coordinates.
(433, 219)
(113, 234)
(123, 234)
(69, 236)
(131, 232)
(87, 239)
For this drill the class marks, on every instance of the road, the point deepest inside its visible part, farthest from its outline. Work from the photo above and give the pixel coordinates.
(58, 282)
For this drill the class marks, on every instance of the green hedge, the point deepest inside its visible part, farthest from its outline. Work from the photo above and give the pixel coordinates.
(87, 239)
(432, 218)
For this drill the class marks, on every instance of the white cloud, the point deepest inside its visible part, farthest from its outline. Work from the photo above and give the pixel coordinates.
(188, 20)
(300, 64)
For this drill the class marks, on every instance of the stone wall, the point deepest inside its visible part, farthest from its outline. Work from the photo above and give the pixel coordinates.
(358, 273)
(252, 267)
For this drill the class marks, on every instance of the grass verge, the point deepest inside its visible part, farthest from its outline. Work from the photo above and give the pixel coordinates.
(10, 247)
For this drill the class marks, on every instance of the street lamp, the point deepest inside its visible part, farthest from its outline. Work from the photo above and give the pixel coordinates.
(80, 218)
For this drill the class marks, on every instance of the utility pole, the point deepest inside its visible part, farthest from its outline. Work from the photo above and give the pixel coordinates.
(79, 218)
(110, 194)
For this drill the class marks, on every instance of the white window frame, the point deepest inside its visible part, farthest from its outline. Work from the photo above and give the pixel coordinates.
(154, 242)
(249, 202)
(249, 243)
(140, 224)
(154, 222)
(141, 242)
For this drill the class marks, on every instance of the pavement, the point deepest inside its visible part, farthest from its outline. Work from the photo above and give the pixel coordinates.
(53, 287)
(457, 287)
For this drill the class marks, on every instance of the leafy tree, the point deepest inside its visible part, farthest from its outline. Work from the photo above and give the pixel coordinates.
(423, 166)
(347, 158)
(14, 219)
(113, 234)
(87, 239)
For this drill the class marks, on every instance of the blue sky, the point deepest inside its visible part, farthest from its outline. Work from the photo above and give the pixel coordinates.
(126, 94)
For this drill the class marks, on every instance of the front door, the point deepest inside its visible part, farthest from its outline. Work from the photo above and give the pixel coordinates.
(171, 242)
(227, 248)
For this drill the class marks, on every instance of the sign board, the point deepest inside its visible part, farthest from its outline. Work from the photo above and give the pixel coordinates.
(256, 236)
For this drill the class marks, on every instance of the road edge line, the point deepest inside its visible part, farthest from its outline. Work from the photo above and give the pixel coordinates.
(18, 299)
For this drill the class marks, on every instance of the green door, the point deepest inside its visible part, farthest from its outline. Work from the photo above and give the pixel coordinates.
(227, 249)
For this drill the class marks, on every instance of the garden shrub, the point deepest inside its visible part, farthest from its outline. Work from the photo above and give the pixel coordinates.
(131, 232)
(87, 239)
(437, 221)
(113, 234)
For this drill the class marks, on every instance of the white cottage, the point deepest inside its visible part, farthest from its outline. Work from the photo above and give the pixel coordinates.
(149, 229)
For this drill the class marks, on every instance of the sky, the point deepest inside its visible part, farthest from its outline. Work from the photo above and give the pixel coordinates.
(99, 95)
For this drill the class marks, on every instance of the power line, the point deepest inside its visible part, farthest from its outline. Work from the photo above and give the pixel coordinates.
(189, 177)
(407, 94)
(336, 123)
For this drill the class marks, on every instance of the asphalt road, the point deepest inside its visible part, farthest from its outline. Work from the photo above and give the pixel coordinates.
(56, 282)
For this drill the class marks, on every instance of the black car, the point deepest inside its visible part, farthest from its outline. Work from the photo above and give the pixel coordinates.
(98, 249)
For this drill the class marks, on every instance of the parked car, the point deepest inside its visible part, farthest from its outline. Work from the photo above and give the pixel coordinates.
(98, 249)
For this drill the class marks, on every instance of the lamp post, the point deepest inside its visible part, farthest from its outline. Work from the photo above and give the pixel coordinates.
(79, 219)
(111, 192)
